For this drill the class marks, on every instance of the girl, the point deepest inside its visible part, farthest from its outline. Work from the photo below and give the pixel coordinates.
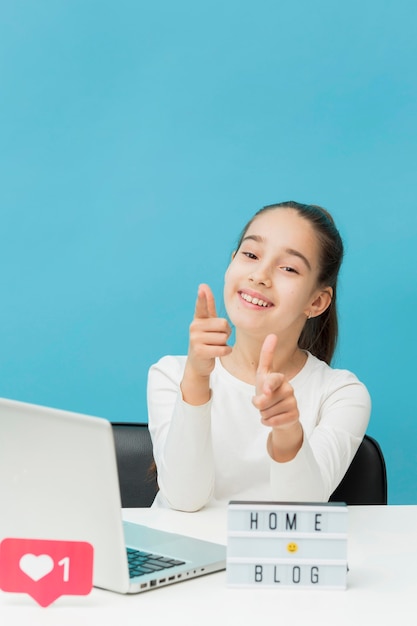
(266, 419)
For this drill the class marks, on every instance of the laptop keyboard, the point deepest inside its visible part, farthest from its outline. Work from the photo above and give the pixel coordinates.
(141, 563)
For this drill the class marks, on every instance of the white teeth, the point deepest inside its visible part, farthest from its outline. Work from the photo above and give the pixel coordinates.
(257, 301)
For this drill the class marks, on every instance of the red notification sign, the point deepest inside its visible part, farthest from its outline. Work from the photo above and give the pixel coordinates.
(46, 569)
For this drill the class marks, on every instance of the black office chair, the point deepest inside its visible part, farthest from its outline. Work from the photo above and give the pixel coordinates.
(138, 486)
(365, 482)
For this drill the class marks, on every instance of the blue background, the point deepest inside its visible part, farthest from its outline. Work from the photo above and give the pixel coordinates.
(137, 138)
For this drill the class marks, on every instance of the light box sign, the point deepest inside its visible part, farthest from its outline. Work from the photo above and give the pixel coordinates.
(287, 545)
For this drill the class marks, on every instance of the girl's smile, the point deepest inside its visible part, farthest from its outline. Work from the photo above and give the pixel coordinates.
(255, 300)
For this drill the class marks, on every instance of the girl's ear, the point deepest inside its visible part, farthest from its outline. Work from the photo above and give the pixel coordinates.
(321, 302)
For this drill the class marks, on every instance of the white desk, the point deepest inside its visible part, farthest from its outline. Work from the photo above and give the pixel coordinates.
(382, 583)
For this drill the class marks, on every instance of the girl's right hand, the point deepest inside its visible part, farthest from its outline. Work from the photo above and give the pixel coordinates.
(208, 340)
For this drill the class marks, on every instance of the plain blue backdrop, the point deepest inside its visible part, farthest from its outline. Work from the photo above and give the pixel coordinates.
(136, 140)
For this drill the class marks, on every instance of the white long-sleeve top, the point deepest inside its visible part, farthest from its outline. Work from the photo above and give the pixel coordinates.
(218, 450)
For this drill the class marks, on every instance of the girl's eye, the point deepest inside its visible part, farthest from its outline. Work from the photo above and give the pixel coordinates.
(250, 255)
(286, 268)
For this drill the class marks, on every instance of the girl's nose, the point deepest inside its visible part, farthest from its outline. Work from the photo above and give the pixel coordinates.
(260, 277)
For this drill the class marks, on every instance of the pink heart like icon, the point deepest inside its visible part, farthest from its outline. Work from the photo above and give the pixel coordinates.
(36, 567)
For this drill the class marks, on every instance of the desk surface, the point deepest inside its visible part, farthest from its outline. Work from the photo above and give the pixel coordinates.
(382, 582)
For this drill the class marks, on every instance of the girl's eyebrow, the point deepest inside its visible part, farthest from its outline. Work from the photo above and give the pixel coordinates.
(290, 251)
(257, 238)
(299, 255)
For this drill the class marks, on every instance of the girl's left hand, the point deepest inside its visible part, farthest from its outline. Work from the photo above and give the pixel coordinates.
(274, 397)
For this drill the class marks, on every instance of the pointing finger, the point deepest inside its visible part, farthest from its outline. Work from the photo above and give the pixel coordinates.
(267, 354)
(205, 305)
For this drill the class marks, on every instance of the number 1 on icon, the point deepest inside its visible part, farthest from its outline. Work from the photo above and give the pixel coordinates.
(65, 563)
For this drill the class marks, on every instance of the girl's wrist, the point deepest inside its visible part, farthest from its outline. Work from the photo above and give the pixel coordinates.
(195, 388)
(283, 444)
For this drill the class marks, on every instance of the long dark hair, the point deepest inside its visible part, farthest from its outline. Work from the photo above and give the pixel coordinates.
(319, 335)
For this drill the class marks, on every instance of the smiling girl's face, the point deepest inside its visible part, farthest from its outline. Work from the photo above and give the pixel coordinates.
(271, 283)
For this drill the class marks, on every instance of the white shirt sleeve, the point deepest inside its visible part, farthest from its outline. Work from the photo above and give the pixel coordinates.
(181, 436)
(328, 446)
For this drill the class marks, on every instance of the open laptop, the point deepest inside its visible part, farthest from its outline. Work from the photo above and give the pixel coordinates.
(58, 480)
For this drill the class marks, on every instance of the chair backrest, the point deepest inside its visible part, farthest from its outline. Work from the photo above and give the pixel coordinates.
(138, 486)
(365, 482)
